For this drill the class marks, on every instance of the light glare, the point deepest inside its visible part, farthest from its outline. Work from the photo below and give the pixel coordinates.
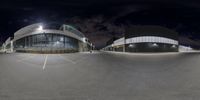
(40, 28)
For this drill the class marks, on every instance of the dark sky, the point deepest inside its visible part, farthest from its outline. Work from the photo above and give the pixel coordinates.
(100, 20)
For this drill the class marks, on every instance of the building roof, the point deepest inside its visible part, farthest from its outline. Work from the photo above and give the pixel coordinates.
(34, 29)
(28, 29)
(150, 30)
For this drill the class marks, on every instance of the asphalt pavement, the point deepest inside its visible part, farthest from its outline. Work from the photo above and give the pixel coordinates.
(100, 76)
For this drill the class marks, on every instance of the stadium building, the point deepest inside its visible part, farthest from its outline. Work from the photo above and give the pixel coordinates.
(35, 39)
(146, 39)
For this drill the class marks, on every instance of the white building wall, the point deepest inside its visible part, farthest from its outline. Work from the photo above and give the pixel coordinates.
(155, 39)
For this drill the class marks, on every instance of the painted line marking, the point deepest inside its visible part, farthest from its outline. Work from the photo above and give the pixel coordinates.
(45, 62)
(66, 59)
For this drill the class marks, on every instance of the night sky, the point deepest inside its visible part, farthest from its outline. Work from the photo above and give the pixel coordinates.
(101, 20)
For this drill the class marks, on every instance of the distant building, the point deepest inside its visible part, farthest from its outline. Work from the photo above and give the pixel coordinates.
(34, 38)
(146, 39)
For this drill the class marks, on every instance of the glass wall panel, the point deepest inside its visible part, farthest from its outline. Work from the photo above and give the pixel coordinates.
(48, 41)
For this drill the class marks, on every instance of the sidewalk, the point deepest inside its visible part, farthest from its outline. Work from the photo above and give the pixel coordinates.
(150, 53)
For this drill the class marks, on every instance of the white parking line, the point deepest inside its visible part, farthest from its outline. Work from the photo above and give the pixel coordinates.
(66, 59)
(45, 62)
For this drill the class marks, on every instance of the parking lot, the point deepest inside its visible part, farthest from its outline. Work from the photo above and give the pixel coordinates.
(100, 76)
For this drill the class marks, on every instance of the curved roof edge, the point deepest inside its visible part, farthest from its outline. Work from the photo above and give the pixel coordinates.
(33, 29)
(66, 33)
(27, 29)
(65, 27)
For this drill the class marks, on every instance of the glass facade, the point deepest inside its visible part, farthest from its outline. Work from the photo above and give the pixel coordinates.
(151, 47)
(46, 42)
(144, 44)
